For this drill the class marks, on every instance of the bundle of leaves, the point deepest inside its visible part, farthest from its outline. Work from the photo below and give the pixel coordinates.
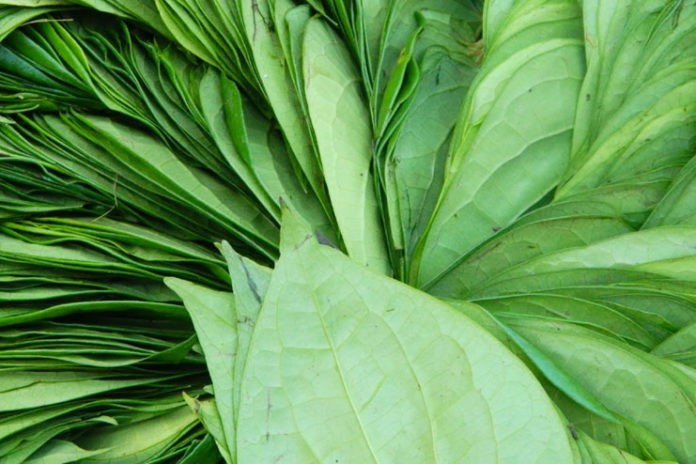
(389, 231)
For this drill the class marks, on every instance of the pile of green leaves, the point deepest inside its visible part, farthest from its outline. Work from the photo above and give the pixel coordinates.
(413, 231)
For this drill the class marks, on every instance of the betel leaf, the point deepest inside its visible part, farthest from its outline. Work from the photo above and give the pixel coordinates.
(628, 104)
(213, 314)
(428, 85)
(532, 159)
(59, 452)
(625, 258)
(591, 314)
(275, 78)
(678, 205)
(512, 142)
(351, 366)
(203, 451)
(138, 441)
(220, 101)
(680, 346)
(224, 325)
(250, 283)
(341, 123)
(13, 16)
(594, 452)
(208, 414)
(627, 381)
(523, 243)
(24, 390)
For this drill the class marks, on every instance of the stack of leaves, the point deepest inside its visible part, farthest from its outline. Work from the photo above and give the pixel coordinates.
(259, 231)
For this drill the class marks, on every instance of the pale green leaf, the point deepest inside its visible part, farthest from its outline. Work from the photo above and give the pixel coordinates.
(512, 142)
(627, 381)
(351, 366)
(341, 121)
(213, 314)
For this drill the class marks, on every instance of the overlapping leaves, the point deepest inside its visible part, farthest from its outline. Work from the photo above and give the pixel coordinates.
(529, 163)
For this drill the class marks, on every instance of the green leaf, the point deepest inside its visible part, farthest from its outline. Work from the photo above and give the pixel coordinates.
(394, 373)
(680, 346)
(203, 451)
(158, 165)
(416, 140)
(221, 105)
(637, 97)
(213, 314)
(625, 380)
(522, 243)
(341, 123)
(590, 314)
(677, 204)
(658, 253)
(11, 17)
(139, 441)
(60, 452)
(24, 390)
(558, 377)
(512, 142)
(275, 78)
(250, 283)
(594, 452)
(208, 413)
